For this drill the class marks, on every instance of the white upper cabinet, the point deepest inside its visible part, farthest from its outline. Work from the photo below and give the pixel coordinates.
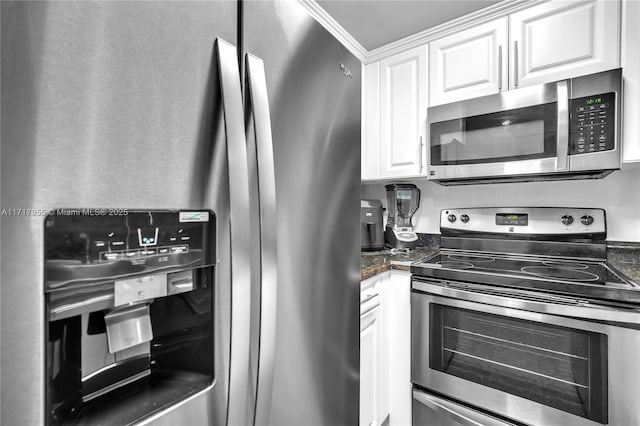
(403, 112)
(561, 39)
(469, 63)
(631, 80)
(370, 167)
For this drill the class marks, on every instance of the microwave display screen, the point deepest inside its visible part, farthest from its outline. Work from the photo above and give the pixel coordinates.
(512, 219)
(519, 134)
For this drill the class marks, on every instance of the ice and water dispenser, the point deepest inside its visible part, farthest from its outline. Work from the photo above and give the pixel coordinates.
(129, 308)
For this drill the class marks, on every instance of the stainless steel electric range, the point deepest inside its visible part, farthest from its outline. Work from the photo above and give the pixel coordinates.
(519, 319)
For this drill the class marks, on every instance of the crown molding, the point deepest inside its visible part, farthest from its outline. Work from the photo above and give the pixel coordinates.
(336, 30)
(496, 11)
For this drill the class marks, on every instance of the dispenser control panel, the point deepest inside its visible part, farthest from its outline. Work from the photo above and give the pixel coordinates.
(80, 245)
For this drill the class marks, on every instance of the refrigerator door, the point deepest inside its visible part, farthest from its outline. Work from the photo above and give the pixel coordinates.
(315, 120)
(110, 104)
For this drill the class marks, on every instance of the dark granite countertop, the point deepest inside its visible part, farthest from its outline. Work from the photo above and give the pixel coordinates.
(623, 256)
(377, 262)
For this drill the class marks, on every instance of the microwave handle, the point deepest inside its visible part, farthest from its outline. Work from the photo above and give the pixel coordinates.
(420, 150)
(500, 68)
(562, 149)
(515, 64)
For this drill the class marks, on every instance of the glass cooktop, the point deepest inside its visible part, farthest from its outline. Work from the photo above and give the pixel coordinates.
(521, 268)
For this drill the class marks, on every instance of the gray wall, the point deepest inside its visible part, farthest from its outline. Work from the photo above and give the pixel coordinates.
(618, 194)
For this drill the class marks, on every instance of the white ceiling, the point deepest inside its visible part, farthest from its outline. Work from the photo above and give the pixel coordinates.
(375, 23)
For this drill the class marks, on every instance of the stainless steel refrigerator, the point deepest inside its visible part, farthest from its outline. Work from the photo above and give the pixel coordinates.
(244, 108)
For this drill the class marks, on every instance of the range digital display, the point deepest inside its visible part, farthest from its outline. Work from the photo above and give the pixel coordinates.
(512, 219)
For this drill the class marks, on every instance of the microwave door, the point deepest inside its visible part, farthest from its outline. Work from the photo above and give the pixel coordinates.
(508, 134)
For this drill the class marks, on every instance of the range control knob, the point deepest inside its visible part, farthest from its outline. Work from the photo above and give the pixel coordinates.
(451, 218)
(567, 220)
(464, 218)
(586, 220)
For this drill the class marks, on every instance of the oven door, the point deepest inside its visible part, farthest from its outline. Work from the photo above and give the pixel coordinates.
(520, 132)
(521, 358)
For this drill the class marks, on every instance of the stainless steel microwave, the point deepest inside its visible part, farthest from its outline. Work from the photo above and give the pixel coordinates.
(563, 130)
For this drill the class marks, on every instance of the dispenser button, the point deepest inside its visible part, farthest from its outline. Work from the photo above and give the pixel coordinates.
(131, 253)
(110, 255)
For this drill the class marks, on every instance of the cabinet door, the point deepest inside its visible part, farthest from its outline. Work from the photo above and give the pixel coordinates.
(369, 367)
(370, 167)
(469, 63)
(562, 39)
(631, 76)
(403, 113)
(397, 324)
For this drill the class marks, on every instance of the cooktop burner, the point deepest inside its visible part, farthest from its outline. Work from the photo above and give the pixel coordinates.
(455, 264)
(562, 273)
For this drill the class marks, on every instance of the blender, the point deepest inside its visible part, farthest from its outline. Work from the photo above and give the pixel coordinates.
(403, 200)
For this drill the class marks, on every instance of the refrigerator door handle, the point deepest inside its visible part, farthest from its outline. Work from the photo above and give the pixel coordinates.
(236, 148)
(263, 146)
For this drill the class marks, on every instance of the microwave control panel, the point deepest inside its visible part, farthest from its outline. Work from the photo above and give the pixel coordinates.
(592, 124)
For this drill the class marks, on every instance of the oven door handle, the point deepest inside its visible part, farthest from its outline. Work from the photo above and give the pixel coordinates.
(457, 413)
(530, 301)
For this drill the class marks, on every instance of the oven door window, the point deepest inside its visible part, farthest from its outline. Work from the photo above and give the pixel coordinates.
(556, 366)
(519, 134)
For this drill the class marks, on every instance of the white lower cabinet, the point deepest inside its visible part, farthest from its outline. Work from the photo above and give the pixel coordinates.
(370, 364)
(372, 375)
(396, 306)
(385, 349)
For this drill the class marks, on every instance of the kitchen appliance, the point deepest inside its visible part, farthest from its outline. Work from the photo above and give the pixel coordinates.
(129, 307)
(403, 199)
(520, 319)
(568, 129)
(371, 236)
(124, 107)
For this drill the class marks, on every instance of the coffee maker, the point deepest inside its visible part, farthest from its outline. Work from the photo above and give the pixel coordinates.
(371, 225)
(403, 199)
